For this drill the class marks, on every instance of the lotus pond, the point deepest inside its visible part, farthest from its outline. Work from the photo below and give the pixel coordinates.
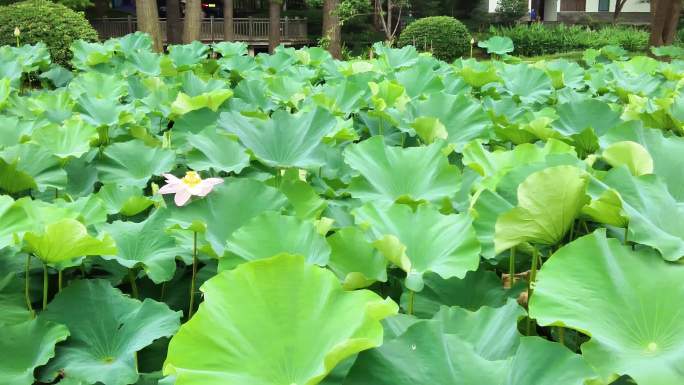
(205, 217)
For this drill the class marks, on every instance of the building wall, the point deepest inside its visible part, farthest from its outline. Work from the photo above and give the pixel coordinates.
(593, 5)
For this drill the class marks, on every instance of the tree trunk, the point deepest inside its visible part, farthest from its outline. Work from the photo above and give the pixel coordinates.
(101, 8)
(148, 21)
(332, 28)
(192, 21)
(664, 18)
(174, 28)
(228, 28)
(273, 25)
(618, 9)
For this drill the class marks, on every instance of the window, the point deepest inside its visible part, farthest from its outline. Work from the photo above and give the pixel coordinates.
(604, 5)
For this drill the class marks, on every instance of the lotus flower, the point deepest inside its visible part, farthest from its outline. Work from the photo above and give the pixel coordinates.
(191, 184)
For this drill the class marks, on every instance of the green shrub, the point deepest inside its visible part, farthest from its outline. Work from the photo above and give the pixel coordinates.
(447, 37)
(510, 11)
(538, 39)
(41, 20)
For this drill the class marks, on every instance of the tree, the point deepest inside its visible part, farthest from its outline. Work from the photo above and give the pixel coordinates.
(148, 21)
(619, 4)
(510, 11)
(101, 8)
(664, 20)
(273, 24)
(228, 28)
(174, 28)
(332, 30)
(386, 9)
(193, 21)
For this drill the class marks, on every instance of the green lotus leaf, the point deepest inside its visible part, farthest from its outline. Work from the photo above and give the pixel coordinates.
(478, 288)
(211, 100)
(429, 129)
(25, 346)
(284, 140)
(667, 164)
(284, 322)
(549, 201)
(396, 58)
(65, 240)
(5, 89)
(426, 173)
(12, 297)
(477, 73)
(127, 200)
(90, 54)
(565, 73)
(463, 117)
(630, 154)
(107, 329)
(70, 139)
(29, 166)
(229, 206)
(213, 150)
(100, 111)
(486, 211)
(527, 83)
(420, 80)
(388, 94)
(14, 221)
(422, 240)
(188, 55)
(145, 244)
(425, 354)
(634, 328)
(354, 260)
(272, 233)
(656, 219)
(302, 196)
(497, 45)
(133, 163)
(607, 209)
(585, 121)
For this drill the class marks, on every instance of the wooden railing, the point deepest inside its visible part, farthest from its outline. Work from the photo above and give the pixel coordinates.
(251, 29)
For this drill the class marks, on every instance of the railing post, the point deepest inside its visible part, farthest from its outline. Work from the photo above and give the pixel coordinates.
(130, 24)
(250, 30)
(211, 28)
(286, 28)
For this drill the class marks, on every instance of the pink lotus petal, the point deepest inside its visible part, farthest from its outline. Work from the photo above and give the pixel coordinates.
(171, 188)
(170, 178)
(182, 197)
(206, 186)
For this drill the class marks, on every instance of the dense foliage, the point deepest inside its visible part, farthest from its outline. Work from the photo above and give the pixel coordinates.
(47, 22)
(540, 39)
(510, 11)
(525, 220)
(446, 37)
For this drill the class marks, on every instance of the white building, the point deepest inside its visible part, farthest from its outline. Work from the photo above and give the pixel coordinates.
(637, 11)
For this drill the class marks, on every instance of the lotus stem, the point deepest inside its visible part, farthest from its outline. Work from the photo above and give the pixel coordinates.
(511, 267)
(561, 335)
(194, 271)
(26, 286)
(163, 291)
(278, 178)
(411, 300)
(45, 285)
(59, 280)
(572, 232)
(530, 284)
(624, 242)
(134, 286)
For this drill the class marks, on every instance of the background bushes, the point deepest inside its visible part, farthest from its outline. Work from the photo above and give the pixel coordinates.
(447, 37)
(41, 20)
(537, 39)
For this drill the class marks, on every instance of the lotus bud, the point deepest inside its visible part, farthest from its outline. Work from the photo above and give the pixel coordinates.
(17, 32)
(472, 41)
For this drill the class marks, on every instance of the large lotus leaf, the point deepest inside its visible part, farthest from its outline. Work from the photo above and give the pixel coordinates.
(65, 240)
(283, 322)
(463, 117)
(425, 354)
(497, 45)
(420, 80)
(478, 288)
(667, 163)
(565, 73)
(607, 209)
(530, 84)
(70, 139)
(146, 244)
(133, 163)
(584, 121)
(493, 332)
(283, 140)
(630, 154)
(12, 296)
(272, 233)
(107, 329)
(422, 240)
(305, 201)
(656, 219)
(127, 200)
(188, 55)
(25, 346)
(214, 150)
(549, 201)
(354, 259)
(14, 220)
(633, 318)
(486, 210)
(29, 166)
(477, 73)
(211, 100)
(425, 173)
(228, 207)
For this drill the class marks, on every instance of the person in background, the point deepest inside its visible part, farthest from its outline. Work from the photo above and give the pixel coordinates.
(533, 16)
